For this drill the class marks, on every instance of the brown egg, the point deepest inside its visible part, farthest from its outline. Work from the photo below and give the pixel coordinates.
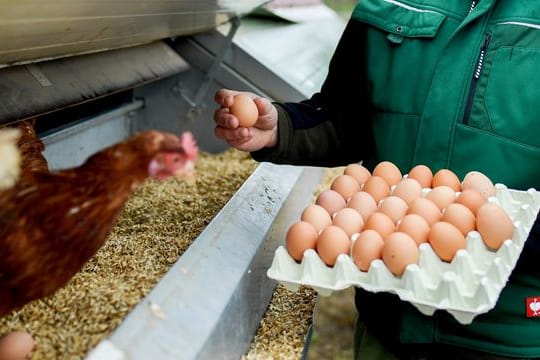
(357, 171)
(399, 251)
(494, 225)
(471, 199)
(317, 216)
(446, 240)
(408, 190)
(415, 226)
(442, 196)
(300, 237)
(245, 109)
(345, 185)
(381, 223)
(377, 187)
(16, 345)
(363, 203)
(389, 172)
(331, 200)
(422, 174)
(332, 242)
(460, 216)
(425, 208)
(475, 180)
(393, 206)
(349, 220)
(446, 177)
(367, 247)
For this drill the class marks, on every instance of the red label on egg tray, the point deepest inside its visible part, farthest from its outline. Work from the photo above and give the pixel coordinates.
(533, 307)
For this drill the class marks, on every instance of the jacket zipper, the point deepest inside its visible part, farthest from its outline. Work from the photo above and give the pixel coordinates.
(473, 5)
(474, 81)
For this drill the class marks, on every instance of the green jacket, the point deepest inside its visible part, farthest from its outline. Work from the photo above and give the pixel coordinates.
(448, 84)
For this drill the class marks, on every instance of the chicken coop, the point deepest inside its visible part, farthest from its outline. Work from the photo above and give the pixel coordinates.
(94, 73)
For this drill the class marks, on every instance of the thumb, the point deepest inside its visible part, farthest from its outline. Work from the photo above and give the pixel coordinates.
(267, 114)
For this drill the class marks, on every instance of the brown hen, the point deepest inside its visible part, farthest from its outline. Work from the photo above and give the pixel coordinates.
(52, 223)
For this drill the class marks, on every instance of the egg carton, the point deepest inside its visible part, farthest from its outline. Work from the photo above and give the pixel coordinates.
(466, 287)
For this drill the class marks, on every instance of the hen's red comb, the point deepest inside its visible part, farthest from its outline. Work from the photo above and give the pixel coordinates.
(189, 144)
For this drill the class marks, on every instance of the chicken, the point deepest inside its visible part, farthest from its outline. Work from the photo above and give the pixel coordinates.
(9, 166)
(51, 224)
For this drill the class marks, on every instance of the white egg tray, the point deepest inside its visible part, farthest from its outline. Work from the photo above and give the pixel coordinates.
(468, 286)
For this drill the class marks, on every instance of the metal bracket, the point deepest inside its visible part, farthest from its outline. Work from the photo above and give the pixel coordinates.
(197, 102)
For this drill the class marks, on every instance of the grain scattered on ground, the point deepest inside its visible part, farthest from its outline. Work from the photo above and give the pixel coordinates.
(159, 222)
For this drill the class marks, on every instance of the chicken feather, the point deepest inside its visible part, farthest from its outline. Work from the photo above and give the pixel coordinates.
(52, 223)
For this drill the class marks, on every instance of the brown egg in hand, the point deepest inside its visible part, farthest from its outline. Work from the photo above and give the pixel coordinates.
(245, 110)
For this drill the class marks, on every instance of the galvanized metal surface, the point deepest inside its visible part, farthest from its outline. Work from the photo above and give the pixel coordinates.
(209, 304)
(288, 61)
(71, 146)
(50, 86)
(33, 30)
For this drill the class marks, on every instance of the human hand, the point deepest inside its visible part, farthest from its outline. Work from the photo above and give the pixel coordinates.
(263, 134)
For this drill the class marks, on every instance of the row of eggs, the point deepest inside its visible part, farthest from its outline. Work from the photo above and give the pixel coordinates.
(383, 215)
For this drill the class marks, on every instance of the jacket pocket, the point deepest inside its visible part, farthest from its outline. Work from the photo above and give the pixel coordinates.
(398, 18)
(403, 45)
(507, 101)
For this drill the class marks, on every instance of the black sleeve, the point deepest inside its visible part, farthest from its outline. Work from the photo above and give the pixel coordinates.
(333, 127)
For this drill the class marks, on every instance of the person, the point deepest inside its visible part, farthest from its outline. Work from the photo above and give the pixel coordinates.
(447, 84)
